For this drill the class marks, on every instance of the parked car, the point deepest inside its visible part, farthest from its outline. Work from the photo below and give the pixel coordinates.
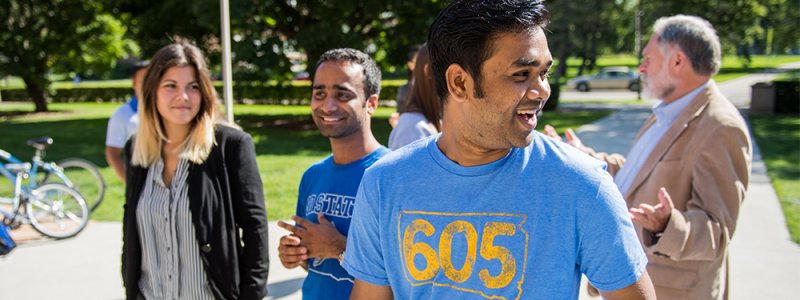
(302, 76)
(608, 78)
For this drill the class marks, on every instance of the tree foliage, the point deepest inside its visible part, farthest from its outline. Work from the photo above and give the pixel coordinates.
(780, 26)
(264, 33)
(39, 38)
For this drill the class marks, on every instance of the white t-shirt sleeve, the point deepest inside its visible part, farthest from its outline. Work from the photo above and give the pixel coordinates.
(117, 131)
(410, 127)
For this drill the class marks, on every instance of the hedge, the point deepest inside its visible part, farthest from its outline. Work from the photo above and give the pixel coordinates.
(247, 92)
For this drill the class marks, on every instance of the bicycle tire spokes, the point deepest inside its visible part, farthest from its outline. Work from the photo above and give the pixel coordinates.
(57, 211)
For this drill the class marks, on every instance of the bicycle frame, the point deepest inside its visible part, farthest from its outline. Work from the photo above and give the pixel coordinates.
(36, 164)
(20, 194)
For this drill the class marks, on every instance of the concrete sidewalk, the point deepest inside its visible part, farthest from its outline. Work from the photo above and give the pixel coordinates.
(88, 266)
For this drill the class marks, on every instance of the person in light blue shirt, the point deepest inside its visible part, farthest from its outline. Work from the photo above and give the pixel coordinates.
(489, 208)
(344, 96)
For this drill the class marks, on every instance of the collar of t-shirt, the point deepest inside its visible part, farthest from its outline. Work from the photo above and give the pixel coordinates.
(134, 103)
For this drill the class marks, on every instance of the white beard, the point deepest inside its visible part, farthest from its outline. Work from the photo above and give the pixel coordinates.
(659, 86)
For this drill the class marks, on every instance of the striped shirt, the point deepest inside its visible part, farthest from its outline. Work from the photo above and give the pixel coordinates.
(171, 265)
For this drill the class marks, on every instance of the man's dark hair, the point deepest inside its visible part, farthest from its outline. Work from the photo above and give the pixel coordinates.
(463, 33)
(372, 75)
(138, 65)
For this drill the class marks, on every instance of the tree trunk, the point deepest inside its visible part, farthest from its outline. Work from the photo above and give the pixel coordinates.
(555, 84)
(36, 92)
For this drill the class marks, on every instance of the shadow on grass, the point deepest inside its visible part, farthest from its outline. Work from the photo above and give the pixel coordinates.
(273, 134)
(71, 138)
(779, 139)
(295, 134)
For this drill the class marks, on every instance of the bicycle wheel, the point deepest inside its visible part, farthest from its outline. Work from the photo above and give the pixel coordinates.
(57, 211)
(84, 177)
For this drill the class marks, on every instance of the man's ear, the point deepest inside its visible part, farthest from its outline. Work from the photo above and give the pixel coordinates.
(679, 62)
(372, 104)
(459, 82)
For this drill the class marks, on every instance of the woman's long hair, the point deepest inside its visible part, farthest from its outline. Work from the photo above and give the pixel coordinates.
(423, 91)
(150, 136)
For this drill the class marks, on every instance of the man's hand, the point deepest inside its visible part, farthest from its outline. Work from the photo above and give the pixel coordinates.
(571, 138)
(393, 118)
(321, 240)
(291, 253)
(654, 218)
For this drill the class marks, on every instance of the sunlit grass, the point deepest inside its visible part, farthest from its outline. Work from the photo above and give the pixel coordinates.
(778, 137)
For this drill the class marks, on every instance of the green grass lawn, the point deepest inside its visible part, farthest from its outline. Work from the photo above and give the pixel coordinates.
(778, 137)
(286, 139)
(732, 67)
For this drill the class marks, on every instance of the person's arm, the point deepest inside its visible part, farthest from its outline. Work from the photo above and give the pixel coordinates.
(719, 178)
(368, 291)
(114, 159)
(116, 138)
(247, 194)
(613, 160)
(641, 289)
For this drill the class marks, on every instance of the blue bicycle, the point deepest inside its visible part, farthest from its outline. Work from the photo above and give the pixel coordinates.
(53, 209)
(77, 173)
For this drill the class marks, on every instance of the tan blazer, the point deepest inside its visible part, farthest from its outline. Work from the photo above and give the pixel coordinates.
(704, 162)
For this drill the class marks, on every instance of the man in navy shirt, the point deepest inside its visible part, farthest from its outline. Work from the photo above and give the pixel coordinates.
(344, 97)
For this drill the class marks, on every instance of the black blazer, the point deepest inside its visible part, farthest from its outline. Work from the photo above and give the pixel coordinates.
(226, 196)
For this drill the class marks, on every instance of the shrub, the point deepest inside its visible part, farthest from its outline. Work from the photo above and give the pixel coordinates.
(251, 92)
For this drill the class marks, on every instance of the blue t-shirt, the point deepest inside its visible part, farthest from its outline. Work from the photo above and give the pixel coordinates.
(523, 227)
(330, 189)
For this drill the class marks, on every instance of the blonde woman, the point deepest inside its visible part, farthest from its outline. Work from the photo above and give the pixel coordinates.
(194, 225)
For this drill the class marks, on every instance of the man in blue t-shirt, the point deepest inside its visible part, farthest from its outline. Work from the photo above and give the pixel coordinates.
(344, 97)
(491, 209)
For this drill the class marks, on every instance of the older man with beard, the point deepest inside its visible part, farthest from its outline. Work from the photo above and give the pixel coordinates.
(686, 176)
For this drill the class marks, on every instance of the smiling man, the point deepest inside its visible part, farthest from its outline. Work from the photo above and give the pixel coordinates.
(490, 208)
(344, 97)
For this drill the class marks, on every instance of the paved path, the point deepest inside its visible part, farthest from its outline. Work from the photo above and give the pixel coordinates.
(738, 90)
(88, 266)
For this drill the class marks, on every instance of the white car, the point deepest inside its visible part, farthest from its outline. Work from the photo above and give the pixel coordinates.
(608, 78)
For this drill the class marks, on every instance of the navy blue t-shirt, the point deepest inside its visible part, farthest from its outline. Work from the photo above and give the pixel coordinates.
(330, 189)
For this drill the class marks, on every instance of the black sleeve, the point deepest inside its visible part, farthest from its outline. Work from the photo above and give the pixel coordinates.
(247, 194)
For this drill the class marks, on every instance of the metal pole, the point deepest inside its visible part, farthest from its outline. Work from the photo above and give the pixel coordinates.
(638, 44)
(227, 81)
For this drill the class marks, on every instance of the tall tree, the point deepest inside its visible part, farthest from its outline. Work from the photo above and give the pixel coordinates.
(385, 29)
(780, 26)
(264, 33)
(736, 21)
(583, 29)
(44, 37)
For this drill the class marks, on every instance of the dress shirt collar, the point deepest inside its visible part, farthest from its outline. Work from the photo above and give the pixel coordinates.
(668, 112)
